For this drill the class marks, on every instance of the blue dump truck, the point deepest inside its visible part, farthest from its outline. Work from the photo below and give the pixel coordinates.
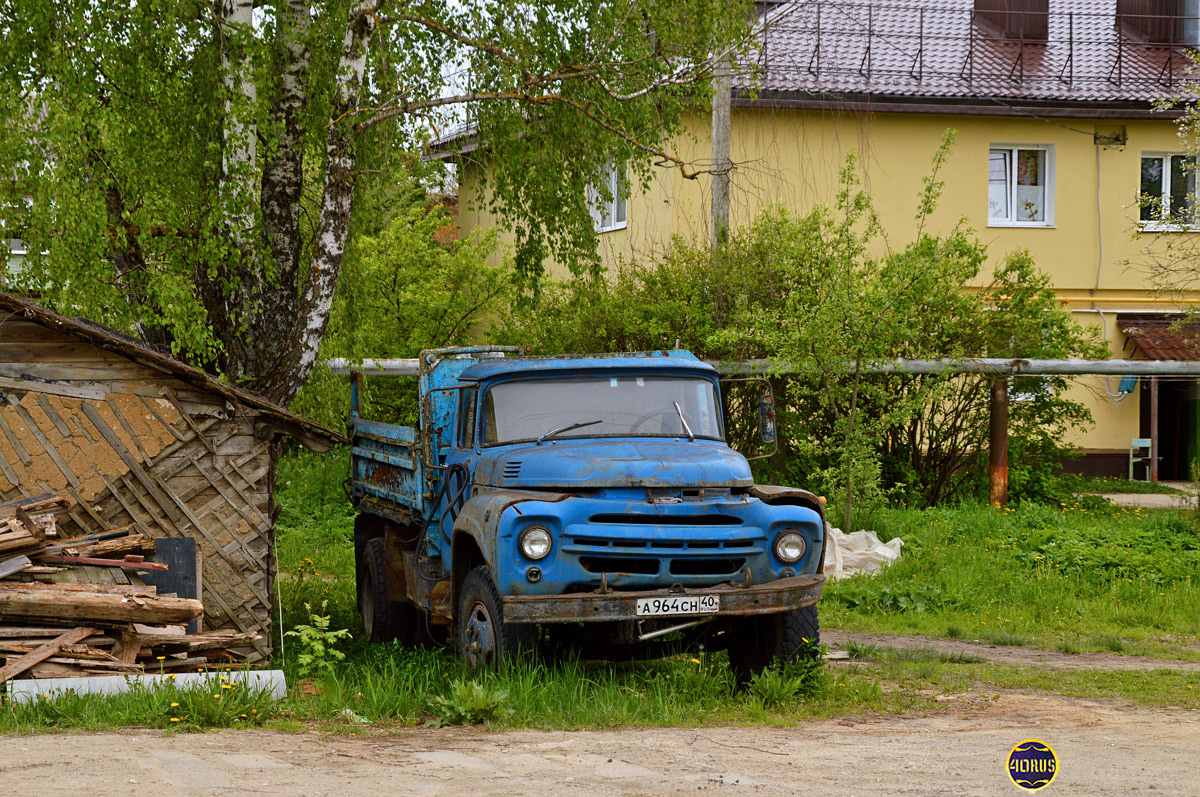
(577, 502)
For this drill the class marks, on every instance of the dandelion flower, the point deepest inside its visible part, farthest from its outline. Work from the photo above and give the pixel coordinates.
(174, 719)
(174, 705)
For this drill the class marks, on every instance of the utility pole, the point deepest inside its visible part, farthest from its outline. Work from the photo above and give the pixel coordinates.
(721, 163)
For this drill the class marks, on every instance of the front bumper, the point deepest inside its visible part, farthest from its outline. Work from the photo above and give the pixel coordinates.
(581, 607)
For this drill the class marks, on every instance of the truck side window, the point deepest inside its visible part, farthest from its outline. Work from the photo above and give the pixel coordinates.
(466, 418)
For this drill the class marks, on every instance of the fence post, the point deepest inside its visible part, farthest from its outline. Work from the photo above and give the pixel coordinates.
(1154, 428)
(998, 443)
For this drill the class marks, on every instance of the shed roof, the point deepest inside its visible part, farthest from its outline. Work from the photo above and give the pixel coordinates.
(1161, 338)
(307, 432)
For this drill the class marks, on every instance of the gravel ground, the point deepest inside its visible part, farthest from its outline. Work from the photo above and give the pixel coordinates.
(1104, 748)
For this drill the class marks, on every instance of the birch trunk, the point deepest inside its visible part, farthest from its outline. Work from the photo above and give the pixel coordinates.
(283, 170)
(240, 144)
(299, 353)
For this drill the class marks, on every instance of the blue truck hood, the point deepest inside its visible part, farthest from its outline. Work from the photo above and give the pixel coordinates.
(615, 463)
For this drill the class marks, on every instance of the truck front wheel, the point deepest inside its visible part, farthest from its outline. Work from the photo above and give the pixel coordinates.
(785, 637)
(484, 639)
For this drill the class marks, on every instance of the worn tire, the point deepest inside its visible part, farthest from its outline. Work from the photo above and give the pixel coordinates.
(481, 636)
(383, 619)
(783, 637)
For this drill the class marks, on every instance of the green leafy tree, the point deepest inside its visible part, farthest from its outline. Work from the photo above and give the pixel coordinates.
(410, 285)
(192, 167)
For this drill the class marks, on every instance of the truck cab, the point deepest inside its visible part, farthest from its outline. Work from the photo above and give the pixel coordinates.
(585, 500)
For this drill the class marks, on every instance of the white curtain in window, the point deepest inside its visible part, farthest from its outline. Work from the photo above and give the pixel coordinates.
(1030, 194)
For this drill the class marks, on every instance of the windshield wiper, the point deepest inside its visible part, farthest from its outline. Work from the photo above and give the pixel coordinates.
(686, 428)
(568, 428)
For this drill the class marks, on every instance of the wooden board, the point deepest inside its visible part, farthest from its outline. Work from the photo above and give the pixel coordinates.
(97, 606)
(15, 668)
(10, 567)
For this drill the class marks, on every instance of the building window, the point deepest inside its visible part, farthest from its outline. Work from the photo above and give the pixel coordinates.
(1168, 194)
(609, 214)
(1020, 186)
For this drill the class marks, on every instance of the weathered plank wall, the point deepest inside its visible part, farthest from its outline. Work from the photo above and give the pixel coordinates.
(133, 446)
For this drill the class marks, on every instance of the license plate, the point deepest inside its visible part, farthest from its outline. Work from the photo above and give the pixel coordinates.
(679, 604)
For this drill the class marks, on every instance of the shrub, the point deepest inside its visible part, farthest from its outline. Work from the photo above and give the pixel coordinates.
(318, 644)
(469, 703)
(872, 595)
(784, 684)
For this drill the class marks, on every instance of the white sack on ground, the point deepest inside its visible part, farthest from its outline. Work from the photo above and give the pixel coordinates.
(861, 552)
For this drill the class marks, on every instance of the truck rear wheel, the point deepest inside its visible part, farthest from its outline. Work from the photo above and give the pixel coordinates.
(484, 640)
(383, 619)
(785, 637)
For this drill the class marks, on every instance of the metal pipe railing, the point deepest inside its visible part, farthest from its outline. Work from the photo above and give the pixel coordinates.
(994, 366)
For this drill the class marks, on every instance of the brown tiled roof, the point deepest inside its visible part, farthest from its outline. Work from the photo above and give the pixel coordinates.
(943, 49)
(1160, 338)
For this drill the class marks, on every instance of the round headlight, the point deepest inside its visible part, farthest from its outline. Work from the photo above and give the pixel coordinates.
(790, 546)
(535, 542)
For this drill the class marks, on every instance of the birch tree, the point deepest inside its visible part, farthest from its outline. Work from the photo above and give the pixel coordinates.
(186, 170)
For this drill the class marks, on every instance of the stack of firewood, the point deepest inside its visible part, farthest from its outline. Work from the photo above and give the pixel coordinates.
(76, 606)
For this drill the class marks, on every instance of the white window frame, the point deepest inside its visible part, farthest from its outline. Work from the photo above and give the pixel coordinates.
(13, 251)
(1039, 387)
(1011, 182)
(1165, 223)
(610, 214)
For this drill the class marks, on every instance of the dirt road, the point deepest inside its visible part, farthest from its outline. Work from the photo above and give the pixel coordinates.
(1011, 655)
(1104, 749)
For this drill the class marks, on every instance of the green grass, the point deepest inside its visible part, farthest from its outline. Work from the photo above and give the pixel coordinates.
(219, 704)
(1105, 484)
(315, 534)
(390, 686)
(1085, 576)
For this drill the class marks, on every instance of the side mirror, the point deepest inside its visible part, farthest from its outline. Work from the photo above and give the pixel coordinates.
(766, 418)
(748, 407)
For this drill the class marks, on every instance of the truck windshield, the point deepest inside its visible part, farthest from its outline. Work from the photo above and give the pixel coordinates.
(610, 406)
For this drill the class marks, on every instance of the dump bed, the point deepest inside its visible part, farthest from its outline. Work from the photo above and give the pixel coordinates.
(386, 468)
(396, 470)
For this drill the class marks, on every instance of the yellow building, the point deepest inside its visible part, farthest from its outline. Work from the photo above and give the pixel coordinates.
(1058, 140)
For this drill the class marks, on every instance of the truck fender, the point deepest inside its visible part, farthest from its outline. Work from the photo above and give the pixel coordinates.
(474, 540)
(774, 495)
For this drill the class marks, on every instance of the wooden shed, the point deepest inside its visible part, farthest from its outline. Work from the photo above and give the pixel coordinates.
(140, 439)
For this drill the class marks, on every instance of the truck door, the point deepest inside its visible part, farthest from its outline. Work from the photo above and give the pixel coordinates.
(459, 462)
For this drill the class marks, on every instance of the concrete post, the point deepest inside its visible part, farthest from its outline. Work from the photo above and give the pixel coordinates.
(721, 163)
